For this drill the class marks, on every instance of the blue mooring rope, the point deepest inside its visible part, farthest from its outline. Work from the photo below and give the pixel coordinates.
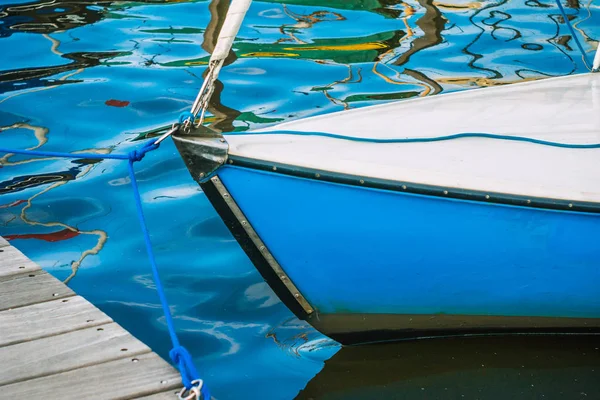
(584, 55)
(180, 356)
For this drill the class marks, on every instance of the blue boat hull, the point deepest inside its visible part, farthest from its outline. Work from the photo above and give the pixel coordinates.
(380, 264)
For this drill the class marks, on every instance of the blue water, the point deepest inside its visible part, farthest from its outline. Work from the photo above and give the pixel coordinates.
(101, 75)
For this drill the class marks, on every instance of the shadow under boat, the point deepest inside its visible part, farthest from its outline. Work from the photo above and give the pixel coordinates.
(514, 367)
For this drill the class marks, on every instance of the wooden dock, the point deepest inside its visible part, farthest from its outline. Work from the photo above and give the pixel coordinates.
(56, 345)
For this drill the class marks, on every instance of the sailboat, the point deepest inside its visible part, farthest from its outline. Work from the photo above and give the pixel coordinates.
(372, 226)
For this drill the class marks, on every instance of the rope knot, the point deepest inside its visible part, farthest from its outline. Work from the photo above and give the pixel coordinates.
(180, 356)
(138, 154)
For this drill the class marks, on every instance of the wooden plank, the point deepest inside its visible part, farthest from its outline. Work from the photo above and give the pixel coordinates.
(47, 319)
(55, 343)
(13, 262)
(121, 379)
(168, 395)
(31, 288)
(66, 352)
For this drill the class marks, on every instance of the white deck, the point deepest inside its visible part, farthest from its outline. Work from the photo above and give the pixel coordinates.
(564, 110)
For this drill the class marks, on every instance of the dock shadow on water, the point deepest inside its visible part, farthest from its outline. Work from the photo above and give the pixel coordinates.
(548, 367)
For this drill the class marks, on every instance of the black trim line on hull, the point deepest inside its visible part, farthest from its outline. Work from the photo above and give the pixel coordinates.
(415, 188)
(371, 328)
(252, 251)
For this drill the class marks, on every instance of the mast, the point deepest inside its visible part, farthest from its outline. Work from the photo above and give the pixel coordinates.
(231, 26)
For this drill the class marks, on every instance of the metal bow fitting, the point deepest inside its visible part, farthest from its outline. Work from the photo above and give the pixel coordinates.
(165, 135)
(194, 393)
